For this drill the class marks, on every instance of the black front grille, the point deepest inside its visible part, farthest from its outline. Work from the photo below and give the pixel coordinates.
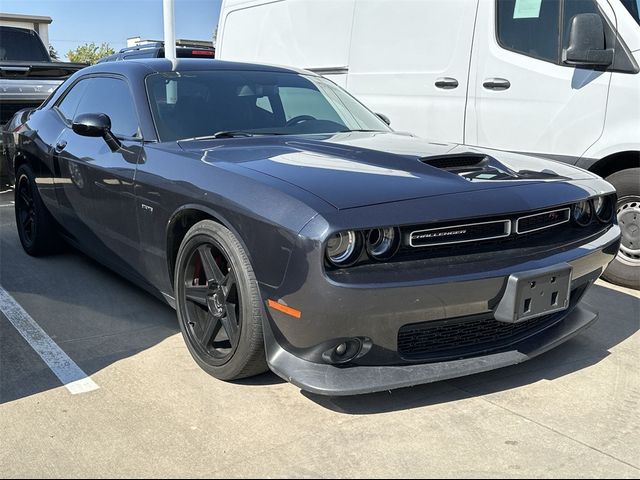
(539, 221)
(460, 233)
(466, 337)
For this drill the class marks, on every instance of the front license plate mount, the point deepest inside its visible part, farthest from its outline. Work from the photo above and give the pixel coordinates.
(535, 293)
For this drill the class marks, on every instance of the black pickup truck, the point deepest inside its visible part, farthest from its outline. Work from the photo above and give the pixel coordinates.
(27, 76)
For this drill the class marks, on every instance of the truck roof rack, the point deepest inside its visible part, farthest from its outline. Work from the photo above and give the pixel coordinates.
(159, 44)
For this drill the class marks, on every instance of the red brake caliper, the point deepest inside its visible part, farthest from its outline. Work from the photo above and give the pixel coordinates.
(196, 271)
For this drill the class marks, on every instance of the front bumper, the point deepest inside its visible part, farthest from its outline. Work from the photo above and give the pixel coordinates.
(335, 381)
(334, 312)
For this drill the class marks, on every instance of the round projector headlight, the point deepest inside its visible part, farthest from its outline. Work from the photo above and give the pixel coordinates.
(603, 208)
(343, 248)
(582, 213)
(382, 243)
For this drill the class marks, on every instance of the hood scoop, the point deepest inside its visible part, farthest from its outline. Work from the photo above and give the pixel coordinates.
(472, 166)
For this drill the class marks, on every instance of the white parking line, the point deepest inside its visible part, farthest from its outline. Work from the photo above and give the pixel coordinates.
(59, 362)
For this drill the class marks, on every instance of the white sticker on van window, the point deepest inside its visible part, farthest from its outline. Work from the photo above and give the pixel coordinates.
(527, 9)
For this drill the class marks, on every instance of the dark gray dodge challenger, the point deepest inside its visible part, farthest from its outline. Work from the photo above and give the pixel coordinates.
(292, 229)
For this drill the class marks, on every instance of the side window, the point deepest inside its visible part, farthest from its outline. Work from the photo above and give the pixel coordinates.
(69, 104)
(530, 27)
(112, 97)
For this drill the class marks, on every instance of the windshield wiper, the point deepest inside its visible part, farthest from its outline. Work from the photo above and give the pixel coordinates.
(359, 130)
(232, 134)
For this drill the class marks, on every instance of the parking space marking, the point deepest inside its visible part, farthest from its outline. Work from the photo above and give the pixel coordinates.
(71, 376)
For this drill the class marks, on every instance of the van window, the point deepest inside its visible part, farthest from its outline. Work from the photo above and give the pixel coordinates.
(530, 27)
(634, 8)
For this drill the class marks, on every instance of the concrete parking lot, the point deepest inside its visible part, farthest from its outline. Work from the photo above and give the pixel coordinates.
(574, 411)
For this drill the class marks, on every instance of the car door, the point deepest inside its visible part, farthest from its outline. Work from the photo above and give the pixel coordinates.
(410, 61)
(521, 96)
(98, 180)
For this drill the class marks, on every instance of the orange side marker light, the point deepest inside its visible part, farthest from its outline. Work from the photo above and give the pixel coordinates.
(284, 309)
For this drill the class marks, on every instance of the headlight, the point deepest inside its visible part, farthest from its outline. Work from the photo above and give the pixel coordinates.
(603, 208)
(343, 248)
(382, 243)
(582, 213)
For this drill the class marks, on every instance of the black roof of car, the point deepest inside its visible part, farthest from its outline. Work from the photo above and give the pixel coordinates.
(162, 65)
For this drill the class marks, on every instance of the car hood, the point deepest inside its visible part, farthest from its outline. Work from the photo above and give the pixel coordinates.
(351, 170)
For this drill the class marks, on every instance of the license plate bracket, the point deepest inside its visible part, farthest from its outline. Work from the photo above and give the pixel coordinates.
(535, 293)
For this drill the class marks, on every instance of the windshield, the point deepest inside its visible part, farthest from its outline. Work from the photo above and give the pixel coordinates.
(634, 8)
(197, 104)
(21, 44)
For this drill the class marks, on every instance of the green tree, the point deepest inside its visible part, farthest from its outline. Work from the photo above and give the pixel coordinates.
(53, 53)
(89, 53)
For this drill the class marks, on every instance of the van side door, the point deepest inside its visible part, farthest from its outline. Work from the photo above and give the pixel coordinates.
(523, 97)
(410, 61)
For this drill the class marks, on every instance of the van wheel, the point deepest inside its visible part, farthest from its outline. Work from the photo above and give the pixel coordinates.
(36, 227)
(625, 268)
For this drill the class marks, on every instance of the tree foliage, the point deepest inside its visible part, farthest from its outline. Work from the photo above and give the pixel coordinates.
(89, 53)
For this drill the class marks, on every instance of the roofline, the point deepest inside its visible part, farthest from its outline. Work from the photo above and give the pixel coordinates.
(28, 18)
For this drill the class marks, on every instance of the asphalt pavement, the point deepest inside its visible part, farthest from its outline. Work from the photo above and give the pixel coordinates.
(145, 409)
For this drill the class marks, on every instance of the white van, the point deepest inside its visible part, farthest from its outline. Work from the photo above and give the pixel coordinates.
(553, 78)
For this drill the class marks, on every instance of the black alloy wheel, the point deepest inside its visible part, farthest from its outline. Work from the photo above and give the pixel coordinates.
(213, 314)
(25, 210)
(218, 303)
(37, 229)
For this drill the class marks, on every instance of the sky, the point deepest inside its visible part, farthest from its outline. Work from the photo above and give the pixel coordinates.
(80, 21)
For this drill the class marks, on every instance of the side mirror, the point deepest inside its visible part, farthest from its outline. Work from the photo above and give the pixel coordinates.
(96, 125)
(587, 42)
(384, 118)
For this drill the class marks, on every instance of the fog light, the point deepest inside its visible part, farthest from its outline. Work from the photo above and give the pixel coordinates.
(343, 352)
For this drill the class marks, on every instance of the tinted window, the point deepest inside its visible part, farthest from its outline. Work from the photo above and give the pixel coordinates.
(21, 44)
(527, 29)
(69, 104)
(194, 104)
(112, 97)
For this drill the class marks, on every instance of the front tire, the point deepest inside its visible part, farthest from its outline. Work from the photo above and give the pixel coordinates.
(625, 268)
(218, 303)
(36, 227)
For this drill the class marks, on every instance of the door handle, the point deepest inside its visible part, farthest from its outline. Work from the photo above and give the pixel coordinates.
(446, 83)
(496, 84)
(60, 146)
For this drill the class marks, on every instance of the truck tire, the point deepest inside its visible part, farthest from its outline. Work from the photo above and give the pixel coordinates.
(625, 268)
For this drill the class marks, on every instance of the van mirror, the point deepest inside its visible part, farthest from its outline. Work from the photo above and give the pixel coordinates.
(587, 45)
(384, 118)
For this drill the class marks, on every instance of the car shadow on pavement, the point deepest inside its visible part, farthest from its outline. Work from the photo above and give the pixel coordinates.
(619, 320)
(94, 315)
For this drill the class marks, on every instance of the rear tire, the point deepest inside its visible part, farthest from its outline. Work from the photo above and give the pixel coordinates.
(36, 227)
(625, 268)
(218, 303)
